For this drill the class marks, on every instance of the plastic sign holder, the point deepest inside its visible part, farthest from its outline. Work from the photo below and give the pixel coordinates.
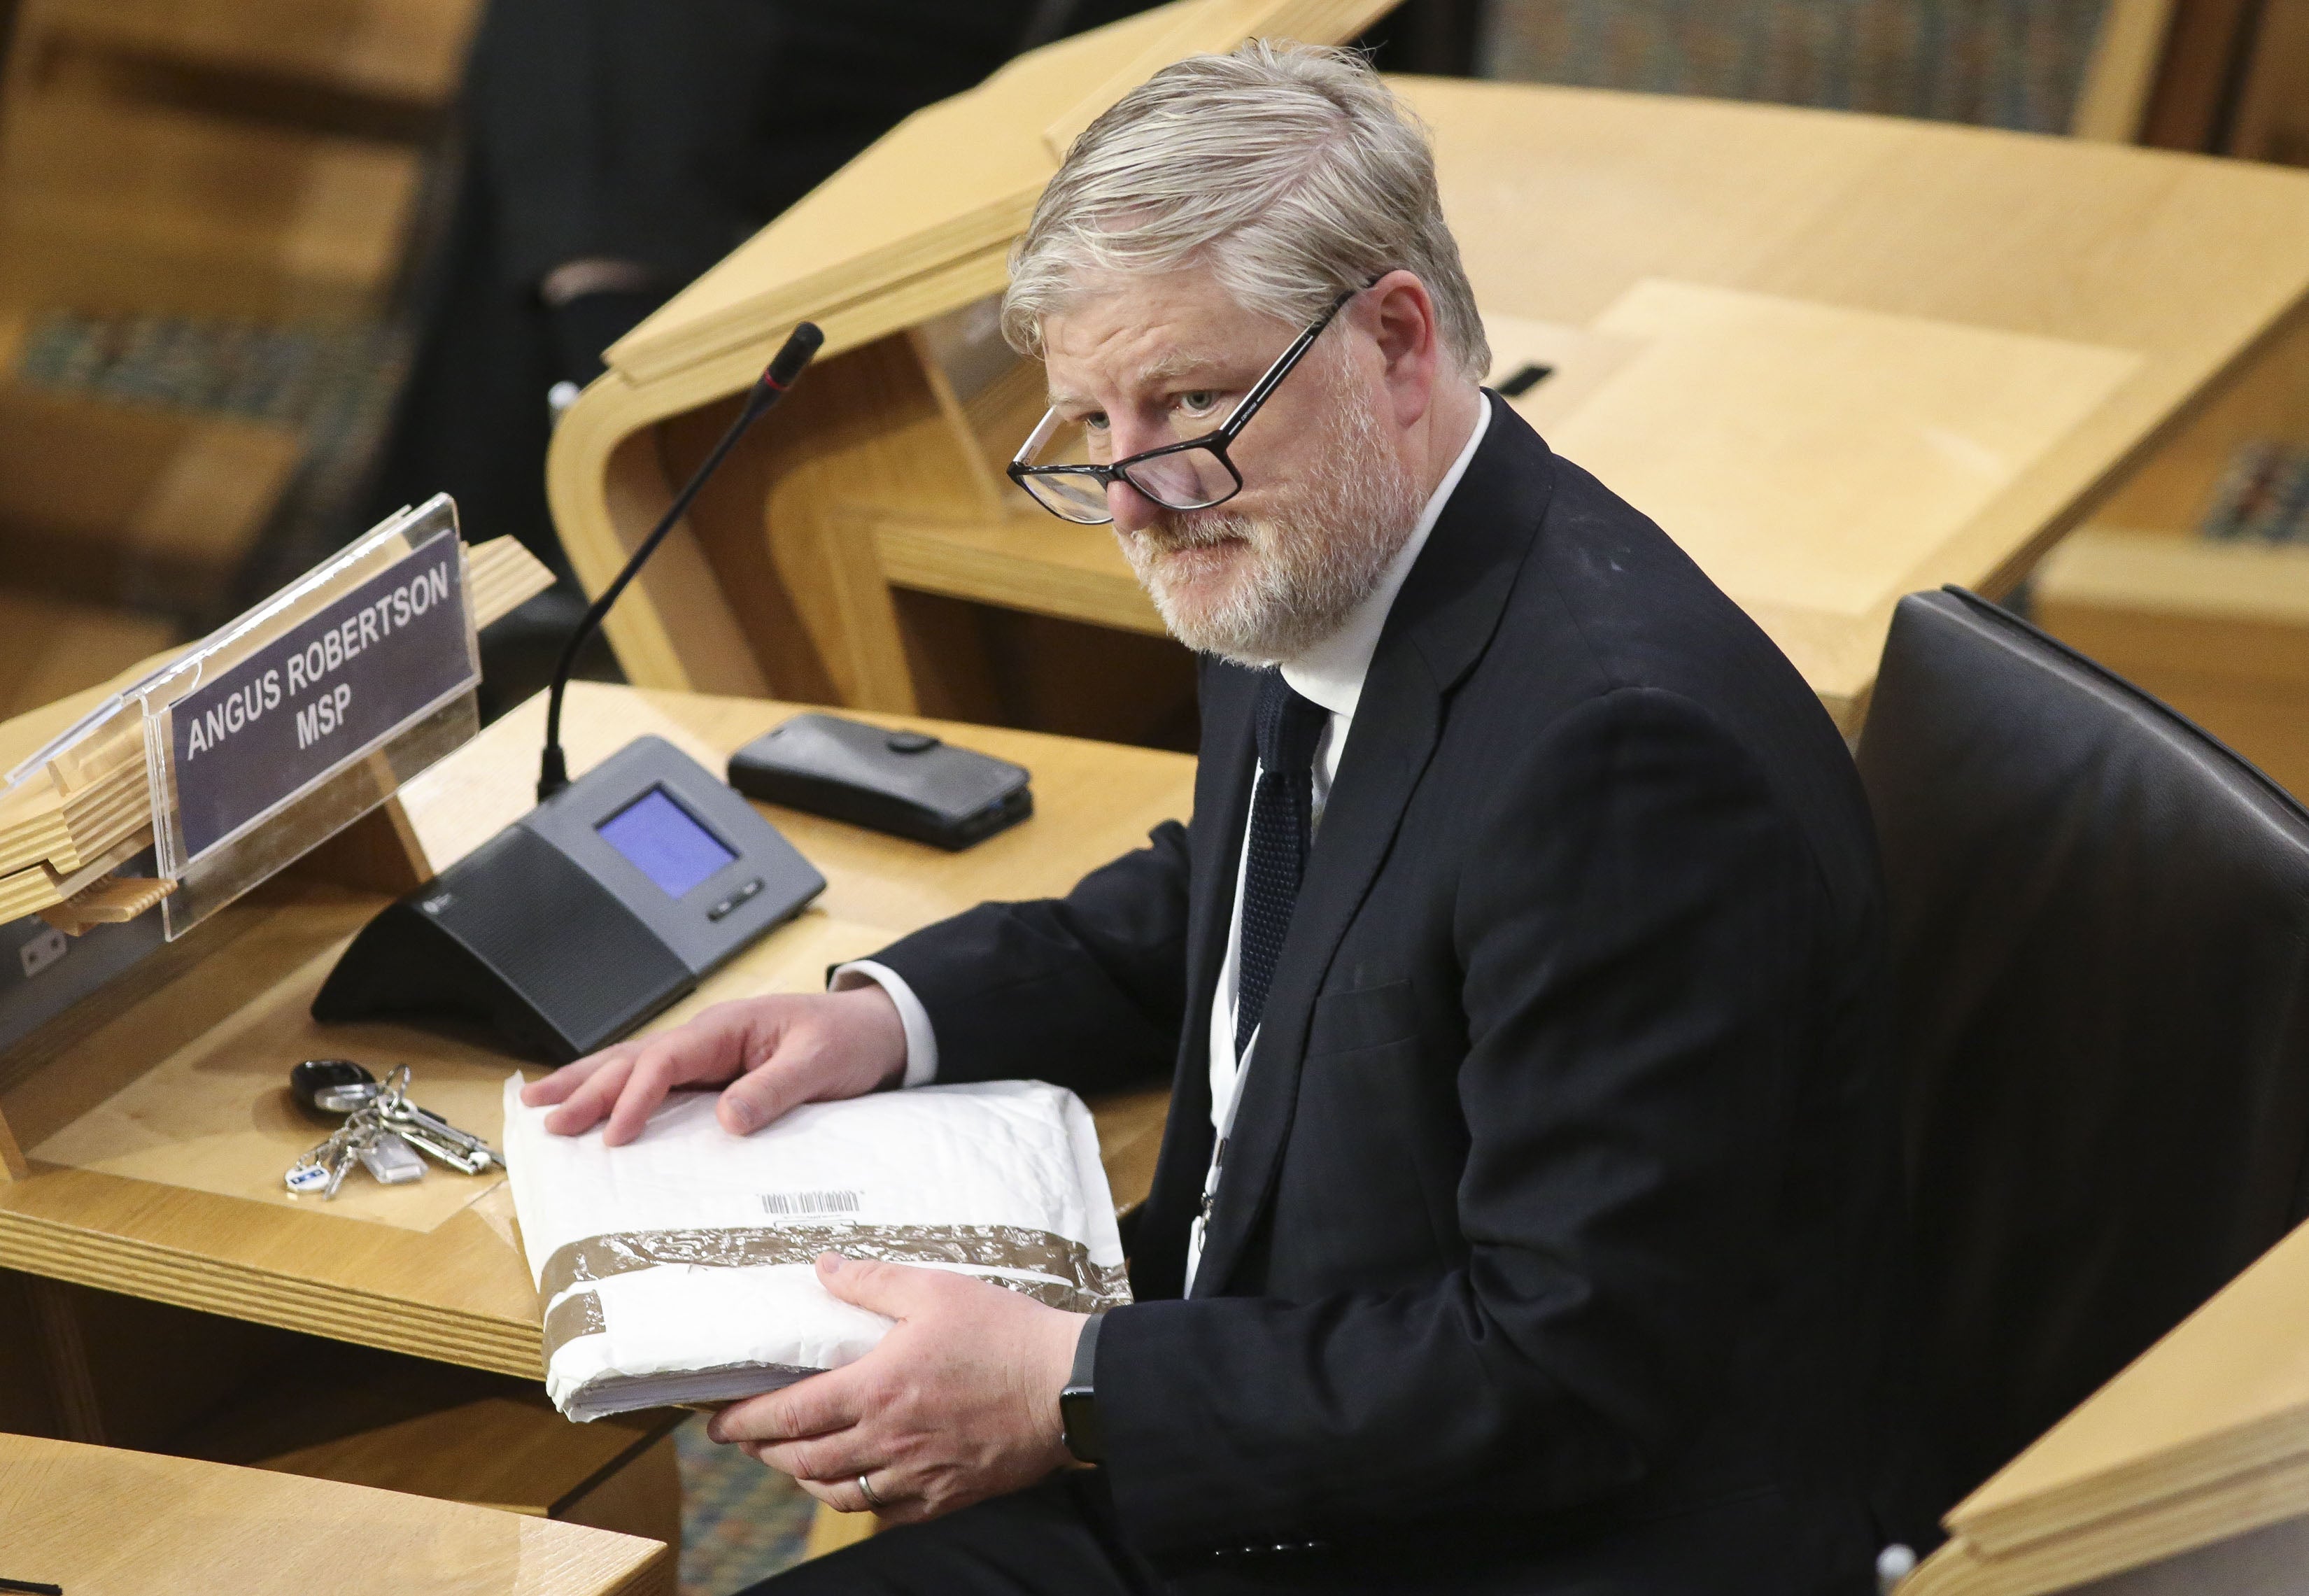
(285, 725)
(307, 712)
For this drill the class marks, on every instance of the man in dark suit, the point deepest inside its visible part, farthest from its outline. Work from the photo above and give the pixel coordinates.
(1528, 1198)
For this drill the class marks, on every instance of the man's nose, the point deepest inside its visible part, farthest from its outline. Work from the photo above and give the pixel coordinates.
(1132, 510)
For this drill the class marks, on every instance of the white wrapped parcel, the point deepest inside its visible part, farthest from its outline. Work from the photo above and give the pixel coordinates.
(679, 1268)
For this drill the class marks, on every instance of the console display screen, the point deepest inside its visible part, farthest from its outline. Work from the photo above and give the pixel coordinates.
(659, 839)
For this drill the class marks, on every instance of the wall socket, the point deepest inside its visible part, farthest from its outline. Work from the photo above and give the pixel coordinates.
(43, 951)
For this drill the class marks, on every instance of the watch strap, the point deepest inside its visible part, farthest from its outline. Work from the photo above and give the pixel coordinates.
(1079, 1402)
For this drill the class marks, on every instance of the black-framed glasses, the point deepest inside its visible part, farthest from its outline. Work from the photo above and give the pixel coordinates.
(1195, 474)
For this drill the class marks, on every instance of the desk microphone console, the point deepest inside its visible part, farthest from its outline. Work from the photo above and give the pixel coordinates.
(598, 909)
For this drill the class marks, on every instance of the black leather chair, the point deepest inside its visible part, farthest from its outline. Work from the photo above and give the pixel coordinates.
(2100, 938)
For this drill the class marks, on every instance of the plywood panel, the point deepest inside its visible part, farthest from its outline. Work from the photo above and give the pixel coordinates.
(111, 205)
(1819, 461)
(103, 500)
(2272, 105)
(868, 429)
(1027, 561)
(2219, 630)
(2265, 401)
(58, 647)
(2121, 74)
(2204, 1437)
(206, 1528)
(407, 49)
(26, 1407)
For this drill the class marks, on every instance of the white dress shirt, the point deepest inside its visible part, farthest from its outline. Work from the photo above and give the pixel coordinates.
(1331, 674)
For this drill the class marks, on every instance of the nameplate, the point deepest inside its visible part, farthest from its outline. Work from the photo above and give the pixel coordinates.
(325, 692)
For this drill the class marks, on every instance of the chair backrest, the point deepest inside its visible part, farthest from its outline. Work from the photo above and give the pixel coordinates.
(2101, 940)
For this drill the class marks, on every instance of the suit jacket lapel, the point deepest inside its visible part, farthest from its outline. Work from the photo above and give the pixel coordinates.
(1441, 622)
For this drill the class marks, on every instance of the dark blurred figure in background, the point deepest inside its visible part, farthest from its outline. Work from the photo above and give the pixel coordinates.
(614, 150)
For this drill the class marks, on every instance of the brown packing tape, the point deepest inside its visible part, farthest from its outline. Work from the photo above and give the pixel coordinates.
(575, 1314)
(982, 1246)
(1071, 1300)
(579, 1314)
(1081, 1286)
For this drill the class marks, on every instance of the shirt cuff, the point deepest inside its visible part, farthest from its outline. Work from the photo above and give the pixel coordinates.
(921, 1041)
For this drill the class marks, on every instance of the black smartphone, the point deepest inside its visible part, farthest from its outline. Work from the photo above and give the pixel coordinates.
(908, 783)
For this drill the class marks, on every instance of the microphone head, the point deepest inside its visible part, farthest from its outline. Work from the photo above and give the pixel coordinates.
(801, 345)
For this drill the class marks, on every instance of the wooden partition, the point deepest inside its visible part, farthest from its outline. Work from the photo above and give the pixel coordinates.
(104, 501)
(196, 167)
(2187, 1472)
(1838, 358)
(889, 457)
(77, 1364)
(887, 562)
(2218, 628)
(259, 158)
(92, 1518)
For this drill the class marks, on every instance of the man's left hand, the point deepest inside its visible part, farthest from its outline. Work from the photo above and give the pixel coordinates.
(959, 1403)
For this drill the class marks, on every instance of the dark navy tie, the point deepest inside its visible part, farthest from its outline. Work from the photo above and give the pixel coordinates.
(1282, 825)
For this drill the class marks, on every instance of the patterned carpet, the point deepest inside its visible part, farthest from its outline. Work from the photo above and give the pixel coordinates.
(333, 384)
(740, 1521)
(2263, 496)
(2000, 62)
(319, 379)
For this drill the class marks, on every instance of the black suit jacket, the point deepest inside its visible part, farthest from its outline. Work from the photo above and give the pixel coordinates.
(1551, 1246)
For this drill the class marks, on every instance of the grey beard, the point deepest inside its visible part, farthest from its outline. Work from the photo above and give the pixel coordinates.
(1313, 559)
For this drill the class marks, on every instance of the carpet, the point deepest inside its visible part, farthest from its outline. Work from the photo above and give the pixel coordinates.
(2016, 63)
(740, 1521)
(333, 384)
(2263, 496)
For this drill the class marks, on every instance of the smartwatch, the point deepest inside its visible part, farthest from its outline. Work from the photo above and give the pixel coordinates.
(1079, 1402)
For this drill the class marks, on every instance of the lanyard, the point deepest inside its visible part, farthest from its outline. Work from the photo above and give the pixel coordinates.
(1218, 1160)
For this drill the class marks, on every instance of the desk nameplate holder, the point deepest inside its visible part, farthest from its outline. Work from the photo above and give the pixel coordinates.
(363, 673)
(294, 720)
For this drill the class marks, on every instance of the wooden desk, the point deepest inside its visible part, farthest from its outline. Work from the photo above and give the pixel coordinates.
(1870, 355)
(56, 646)
(153, 1123)
(103, 1522)
(2194, 1446)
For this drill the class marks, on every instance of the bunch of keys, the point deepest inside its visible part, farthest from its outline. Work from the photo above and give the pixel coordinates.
(383, 1131)
(364, 1138)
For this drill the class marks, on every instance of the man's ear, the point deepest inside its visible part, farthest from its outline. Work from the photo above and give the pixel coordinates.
(1401, 319)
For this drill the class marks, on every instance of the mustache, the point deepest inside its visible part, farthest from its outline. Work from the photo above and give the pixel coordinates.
(1175, 534)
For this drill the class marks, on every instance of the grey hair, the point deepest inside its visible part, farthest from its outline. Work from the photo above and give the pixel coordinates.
(1292, 172)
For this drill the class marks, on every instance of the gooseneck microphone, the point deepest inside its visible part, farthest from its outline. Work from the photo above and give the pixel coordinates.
(800, 346)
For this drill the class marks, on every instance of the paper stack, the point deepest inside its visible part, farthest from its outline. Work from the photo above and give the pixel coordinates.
(679, 1268)
(2204, 1439)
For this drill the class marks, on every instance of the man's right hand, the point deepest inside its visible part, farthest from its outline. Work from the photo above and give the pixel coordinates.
(775, 1053)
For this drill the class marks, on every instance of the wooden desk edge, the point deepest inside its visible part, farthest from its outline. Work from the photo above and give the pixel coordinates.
(240, 1288)
(591, 1561)
(145, 1254)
